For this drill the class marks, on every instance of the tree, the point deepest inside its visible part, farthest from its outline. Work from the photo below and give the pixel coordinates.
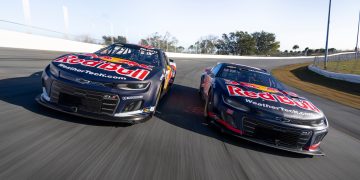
(265, 43)
(191, 48)
(118, 39)
(207, 44)
(86, 39)
(237, 43)
(306, 51)
(166, 42)
(245, 44)
(180, 49)
(144, 42)
(310, 52)
(295, 47)
(221, 47)
(332, 50)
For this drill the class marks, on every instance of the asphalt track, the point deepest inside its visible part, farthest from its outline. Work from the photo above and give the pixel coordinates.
(38, 143)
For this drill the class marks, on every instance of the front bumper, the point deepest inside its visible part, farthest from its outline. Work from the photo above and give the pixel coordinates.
(289, 137)
(131, 118)
(95, 102)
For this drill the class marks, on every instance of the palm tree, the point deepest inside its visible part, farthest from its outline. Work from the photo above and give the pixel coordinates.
(295, 47)
(191, 48)
(306, 51)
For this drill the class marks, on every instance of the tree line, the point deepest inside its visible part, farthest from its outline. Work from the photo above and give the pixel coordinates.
(238, 43)
(307, 51)
(233, 43)
(166, 42)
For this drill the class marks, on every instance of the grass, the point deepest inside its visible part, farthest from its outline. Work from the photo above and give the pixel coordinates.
(347, 67)
(300, 77)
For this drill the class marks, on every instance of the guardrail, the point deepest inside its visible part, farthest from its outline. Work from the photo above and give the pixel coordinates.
(340, 76)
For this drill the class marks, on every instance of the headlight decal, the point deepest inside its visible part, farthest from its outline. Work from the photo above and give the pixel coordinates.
(235, 104)
(133, 86)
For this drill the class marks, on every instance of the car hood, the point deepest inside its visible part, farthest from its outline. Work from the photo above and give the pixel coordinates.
(103, 68)
(271, 102)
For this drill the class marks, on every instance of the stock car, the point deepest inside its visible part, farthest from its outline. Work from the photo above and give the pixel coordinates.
(249, 103)
(119, 83)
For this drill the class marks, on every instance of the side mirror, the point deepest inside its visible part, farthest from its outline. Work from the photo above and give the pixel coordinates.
(171, 60)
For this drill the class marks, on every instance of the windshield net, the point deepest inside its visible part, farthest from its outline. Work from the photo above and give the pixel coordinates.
(250, 76)
(133, 53)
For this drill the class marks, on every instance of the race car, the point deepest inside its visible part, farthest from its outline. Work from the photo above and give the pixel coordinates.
(120, 83)
(248, 102)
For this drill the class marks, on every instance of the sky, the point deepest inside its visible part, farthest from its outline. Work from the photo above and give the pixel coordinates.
(293, 21)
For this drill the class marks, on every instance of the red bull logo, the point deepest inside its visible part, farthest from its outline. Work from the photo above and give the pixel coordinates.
(140, 74)
(303, 104)
(254, 86)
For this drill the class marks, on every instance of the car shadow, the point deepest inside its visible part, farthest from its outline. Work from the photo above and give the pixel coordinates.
(21, 91)
(183, 107)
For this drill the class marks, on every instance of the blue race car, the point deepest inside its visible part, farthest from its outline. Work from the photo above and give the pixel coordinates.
(120, 83)
(249, 103)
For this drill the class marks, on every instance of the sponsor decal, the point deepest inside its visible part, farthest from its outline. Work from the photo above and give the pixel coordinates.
(91, 73)
(125, 61)
(303, 104)
(82, 81)
(278, 109)
(139, 74)
(131, 97)
(254, 86)
(110, 97)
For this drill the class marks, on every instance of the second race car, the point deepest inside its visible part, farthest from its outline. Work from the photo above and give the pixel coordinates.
(249, 103)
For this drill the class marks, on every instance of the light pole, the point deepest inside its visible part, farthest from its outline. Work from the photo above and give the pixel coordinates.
(327, 37)
(66, 20)
(357, 40)
(26, 11)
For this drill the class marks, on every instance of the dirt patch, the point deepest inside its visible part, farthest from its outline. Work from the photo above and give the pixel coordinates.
(298, 76)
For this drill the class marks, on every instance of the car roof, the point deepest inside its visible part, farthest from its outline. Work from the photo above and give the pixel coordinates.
(137, 46)
(246, 67)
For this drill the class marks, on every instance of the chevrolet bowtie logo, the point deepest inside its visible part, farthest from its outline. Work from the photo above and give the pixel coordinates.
(83, 81)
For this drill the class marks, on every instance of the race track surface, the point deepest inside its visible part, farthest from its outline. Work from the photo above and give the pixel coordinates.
(38, 143)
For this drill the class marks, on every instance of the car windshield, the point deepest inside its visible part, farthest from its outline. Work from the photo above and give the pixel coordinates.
(239, 74)
(133, 53)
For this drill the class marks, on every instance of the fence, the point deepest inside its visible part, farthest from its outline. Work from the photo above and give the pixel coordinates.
(340, 63)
